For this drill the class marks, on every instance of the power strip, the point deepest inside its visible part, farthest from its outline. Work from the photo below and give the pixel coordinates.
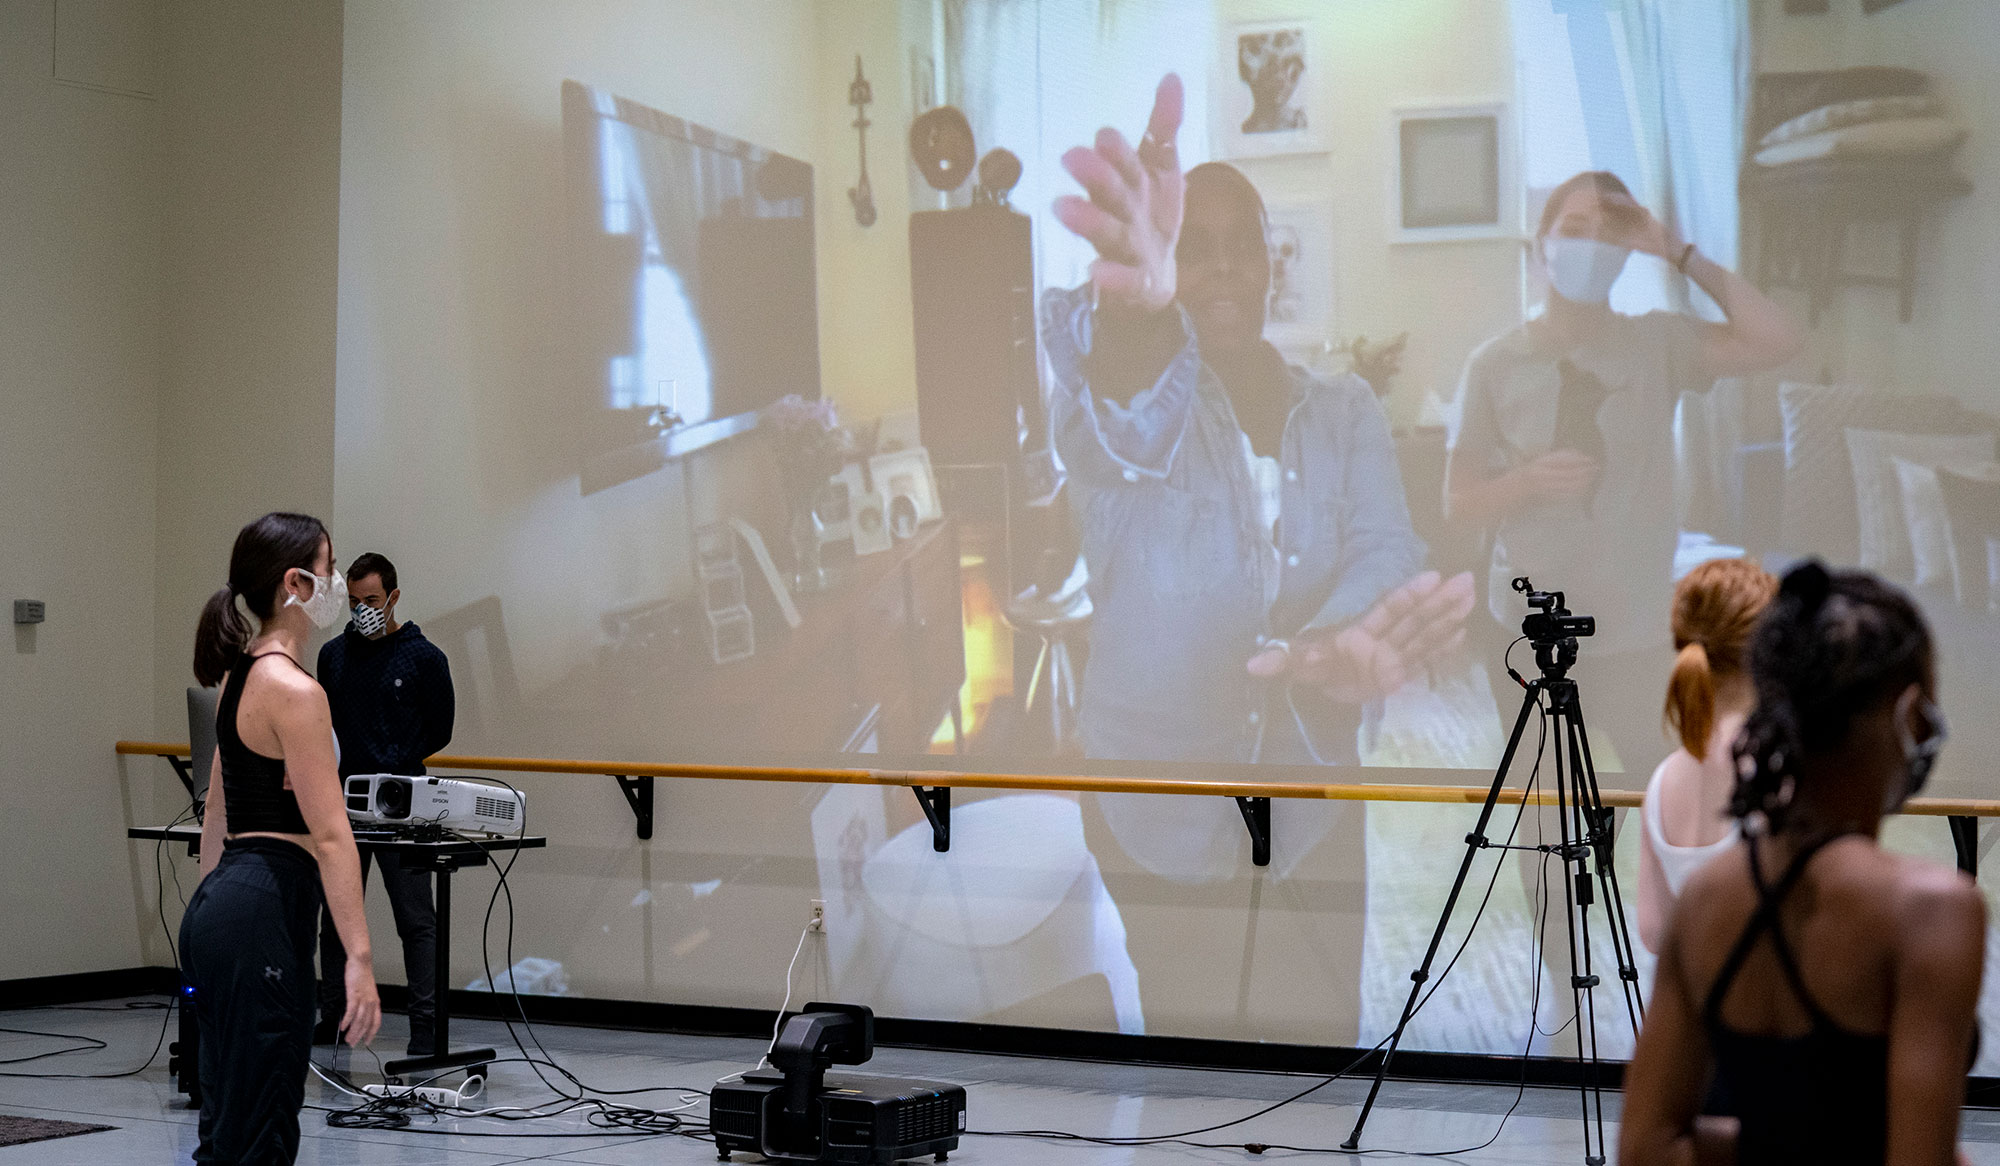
(473, 1087)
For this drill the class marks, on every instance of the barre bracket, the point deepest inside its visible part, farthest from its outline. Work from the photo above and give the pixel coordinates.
(184, 769)
(1965, 842)
(638, 793)
(936, 801)
(1257, 817)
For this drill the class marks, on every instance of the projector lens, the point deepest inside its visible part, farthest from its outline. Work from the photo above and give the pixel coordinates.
(392, 799)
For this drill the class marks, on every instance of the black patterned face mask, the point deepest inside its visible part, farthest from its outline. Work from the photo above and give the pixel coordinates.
(1919, 756)
(370, 621)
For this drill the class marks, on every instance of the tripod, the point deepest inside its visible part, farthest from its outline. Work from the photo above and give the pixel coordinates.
(1584, 841)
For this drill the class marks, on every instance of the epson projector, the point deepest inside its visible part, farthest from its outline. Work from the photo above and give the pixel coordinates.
(388, 799)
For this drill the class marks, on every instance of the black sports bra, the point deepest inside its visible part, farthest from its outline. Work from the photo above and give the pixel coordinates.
(1820, 1097)
(253, 785)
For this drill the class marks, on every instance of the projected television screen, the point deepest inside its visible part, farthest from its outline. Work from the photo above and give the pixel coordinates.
(691, 274)
(567, 309)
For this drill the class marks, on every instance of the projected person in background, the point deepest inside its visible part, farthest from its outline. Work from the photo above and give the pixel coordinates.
(1563, 445)
(393, 705)
(1827, 985)
(1715, 610)
(274, 834)
(1253, 570)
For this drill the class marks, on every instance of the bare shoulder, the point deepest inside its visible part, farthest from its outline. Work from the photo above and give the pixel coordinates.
(1934, 899)
(1675, 781)
(290, 691)
(1717, 896)
(1724, 878)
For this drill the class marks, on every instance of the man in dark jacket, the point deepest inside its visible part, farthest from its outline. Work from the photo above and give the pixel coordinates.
(390, 692)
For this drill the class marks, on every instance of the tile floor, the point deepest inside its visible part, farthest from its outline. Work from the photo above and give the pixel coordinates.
(1005, 1093)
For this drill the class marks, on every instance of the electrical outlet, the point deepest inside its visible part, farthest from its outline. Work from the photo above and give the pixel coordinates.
(818, 921)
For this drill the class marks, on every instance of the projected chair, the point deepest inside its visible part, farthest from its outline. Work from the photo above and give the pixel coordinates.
(1060, 617)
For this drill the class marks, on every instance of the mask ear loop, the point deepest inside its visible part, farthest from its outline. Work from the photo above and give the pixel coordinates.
(293, 600)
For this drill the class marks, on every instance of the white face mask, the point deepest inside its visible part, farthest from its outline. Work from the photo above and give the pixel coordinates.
(1583, 270)
(329, 599)
(370, 621)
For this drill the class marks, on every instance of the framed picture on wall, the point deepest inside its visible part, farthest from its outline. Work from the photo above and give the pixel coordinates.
(1300, 311)
(1451, 174)
(1267, 90)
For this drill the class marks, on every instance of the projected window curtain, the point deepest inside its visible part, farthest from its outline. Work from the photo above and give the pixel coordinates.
(1040, 76)
(1689, 65)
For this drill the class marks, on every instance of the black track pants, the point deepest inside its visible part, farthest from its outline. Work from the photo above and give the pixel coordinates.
(247, 950)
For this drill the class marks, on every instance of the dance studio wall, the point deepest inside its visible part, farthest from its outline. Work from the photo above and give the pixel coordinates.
(79, 328)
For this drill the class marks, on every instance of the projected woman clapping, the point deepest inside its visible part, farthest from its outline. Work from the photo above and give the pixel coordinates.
(1254, 572)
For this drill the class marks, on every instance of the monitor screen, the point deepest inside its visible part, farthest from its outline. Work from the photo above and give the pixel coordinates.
(691, 277)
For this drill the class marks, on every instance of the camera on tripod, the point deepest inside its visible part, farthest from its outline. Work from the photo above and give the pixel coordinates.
(1550, 621)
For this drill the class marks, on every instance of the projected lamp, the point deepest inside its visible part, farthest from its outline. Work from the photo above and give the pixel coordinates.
(999, 171)
(794, 1112)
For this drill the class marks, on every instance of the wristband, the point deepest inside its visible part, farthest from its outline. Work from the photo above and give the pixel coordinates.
(1687, 253)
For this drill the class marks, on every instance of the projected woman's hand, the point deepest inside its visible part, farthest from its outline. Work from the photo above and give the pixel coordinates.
(1634, 226)
(1378, 653)
(1133, 214)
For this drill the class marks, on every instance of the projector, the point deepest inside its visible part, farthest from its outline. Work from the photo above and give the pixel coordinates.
(388, 799)
(795, 1112)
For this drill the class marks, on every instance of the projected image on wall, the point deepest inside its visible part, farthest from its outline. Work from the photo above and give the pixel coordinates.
(1028, 475)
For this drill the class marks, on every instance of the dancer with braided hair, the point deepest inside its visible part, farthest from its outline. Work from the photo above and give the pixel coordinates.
(1828, 985)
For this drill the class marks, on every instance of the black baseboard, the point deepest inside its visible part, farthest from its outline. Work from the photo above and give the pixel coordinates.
(1012, 1040)
(78, 987)
(945, 1035)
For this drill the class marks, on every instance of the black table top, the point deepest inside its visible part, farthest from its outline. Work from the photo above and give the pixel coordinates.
(377, 841)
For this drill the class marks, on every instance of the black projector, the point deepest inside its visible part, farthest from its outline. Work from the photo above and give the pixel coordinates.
(794, 1112)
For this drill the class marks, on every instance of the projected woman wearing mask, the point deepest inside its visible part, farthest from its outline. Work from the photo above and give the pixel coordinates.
(1253, 569)
(1564, 448)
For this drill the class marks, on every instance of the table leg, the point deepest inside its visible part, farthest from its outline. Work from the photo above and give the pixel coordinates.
(412, 1068)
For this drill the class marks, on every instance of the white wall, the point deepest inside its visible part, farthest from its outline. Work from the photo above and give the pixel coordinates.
(249, 174)
(79, 332)
(1950, 345)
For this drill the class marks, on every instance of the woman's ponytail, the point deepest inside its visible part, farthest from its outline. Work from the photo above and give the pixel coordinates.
(1715, 611)
(220, 635)
(265, 550)
(1690, 709)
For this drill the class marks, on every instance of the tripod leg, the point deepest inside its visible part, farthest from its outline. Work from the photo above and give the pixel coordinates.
(1607, 874)
(1576, 899)
(1474, 843)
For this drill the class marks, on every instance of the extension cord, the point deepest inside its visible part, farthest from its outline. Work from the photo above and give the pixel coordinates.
(448, 1097)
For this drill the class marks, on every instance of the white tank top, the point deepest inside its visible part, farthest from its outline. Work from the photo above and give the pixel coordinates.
(1680, 862)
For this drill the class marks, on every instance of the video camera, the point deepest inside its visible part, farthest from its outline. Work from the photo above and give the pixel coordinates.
(1549, 621)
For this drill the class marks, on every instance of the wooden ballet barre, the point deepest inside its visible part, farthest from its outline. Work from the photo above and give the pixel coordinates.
(933, 790)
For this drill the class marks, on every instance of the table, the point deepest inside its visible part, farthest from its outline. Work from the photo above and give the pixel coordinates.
(444, 855)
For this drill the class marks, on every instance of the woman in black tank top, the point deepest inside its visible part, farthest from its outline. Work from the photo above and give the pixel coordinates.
(1824, 987)
(274, 833)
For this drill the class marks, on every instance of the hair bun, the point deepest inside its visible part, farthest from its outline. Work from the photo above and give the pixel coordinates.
(1809, 584)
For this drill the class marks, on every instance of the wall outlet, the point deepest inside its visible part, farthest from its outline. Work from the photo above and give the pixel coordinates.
(818, 921)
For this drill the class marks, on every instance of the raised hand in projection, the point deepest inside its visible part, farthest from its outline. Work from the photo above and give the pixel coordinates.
(1380, 652)
(1133, 214)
